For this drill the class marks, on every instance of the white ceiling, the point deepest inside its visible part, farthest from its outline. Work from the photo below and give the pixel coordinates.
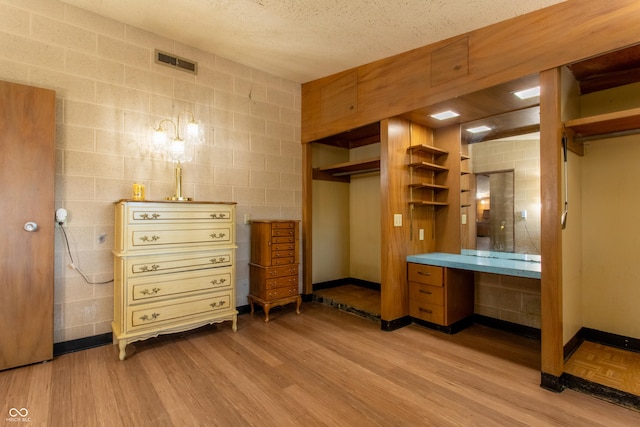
(303, 40)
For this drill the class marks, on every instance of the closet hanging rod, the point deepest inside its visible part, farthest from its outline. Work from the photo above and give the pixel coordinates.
(606, 135)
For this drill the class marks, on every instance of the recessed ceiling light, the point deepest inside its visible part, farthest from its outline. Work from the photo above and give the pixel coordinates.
(479, 129)
(445, 115)
(528, 93)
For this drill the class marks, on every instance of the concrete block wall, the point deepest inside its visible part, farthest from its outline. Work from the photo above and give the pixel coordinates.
(508, 298)
(109, 95)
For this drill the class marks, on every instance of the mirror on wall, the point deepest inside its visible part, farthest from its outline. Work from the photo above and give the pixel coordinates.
(507, 197)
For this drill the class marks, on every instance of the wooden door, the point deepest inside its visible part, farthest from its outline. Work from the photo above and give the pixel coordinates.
(27, 171)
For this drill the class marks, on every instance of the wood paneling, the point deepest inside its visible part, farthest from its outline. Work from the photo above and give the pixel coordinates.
(551, 245)
(499, 53)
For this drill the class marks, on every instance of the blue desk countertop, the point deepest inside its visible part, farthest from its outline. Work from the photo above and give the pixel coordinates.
(520, 265)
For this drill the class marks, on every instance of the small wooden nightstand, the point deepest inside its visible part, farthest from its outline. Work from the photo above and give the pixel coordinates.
(273, 268)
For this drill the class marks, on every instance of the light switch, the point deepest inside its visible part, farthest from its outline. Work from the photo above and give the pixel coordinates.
(464, 219)
(397, 220)
(421, 234)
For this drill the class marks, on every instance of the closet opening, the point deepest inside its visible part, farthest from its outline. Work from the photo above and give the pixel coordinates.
(346, 221)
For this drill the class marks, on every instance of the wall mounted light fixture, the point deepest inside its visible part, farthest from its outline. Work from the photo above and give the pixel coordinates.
(178, 146)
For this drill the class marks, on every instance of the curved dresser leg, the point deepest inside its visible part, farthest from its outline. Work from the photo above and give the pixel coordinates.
(266, 307)
(122, 344)
(298, 302)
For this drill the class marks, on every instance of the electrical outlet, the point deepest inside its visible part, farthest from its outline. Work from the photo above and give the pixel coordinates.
(247, 218)
(61, 216)
(397, 220)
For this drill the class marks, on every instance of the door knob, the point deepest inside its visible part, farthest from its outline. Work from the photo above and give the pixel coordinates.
(31, 226)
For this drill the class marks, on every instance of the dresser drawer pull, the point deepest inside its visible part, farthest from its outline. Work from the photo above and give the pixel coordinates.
(152, 216)
(422, 291)
(218, 260)
(218, 304)
(150, 239)
(218, 281)
(153, 267)
(153, 316)
(424, 273)
(218, 236)
(426, 310)
(150, 292)
(219, 216)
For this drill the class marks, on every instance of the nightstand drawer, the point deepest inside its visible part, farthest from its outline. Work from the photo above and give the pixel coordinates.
(426, 293)
(427, 274)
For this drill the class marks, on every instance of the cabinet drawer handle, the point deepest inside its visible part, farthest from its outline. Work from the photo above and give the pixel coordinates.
(217, 236)
(218, 260)
(152, 216)
(426, 310)
(424, 273)
(219, 216)
(422, 291)
(218, 281)
(153, 267)
(150, 239)
(217, 304)
(153, 316)
(150, 292)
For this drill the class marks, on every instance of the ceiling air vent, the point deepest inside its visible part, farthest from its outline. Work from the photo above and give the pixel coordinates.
(164, 58)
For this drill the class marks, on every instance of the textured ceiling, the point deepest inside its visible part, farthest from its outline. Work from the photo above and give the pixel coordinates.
(303, 40)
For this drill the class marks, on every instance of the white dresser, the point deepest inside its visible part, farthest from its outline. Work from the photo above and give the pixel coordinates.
(174, 266)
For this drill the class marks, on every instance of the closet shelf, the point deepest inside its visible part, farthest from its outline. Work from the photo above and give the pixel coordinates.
(602, 124)
(347, 169)
(427, 203)
(421, 148)
(435, 187)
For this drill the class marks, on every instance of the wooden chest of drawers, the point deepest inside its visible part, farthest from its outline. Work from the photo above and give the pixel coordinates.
(174, 265)
(439, 295)
(274, 264)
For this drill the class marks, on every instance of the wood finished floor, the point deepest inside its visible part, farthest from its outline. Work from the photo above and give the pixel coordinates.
(323, 367)
(612, 367)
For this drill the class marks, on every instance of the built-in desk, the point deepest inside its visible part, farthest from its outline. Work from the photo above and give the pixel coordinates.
(446, 290)
(519, 265)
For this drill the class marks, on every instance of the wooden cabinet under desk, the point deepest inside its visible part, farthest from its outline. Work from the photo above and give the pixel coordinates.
(440, 295)
(174, 268)
(273, 268)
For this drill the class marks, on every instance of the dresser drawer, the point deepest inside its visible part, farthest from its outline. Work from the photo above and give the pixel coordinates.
(274, 294)
(282, 282)
(426, 293)
(151, 265)
(427, 274)
(283, 232)
(282, 225)
(282, 261)
(146, 213)
(428, 312)
(150, 315)
(157, 238)
(178, 285)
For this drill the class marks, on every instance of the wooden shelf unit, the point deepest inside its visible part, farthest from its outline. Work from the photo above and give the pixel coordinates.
(433, 156)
